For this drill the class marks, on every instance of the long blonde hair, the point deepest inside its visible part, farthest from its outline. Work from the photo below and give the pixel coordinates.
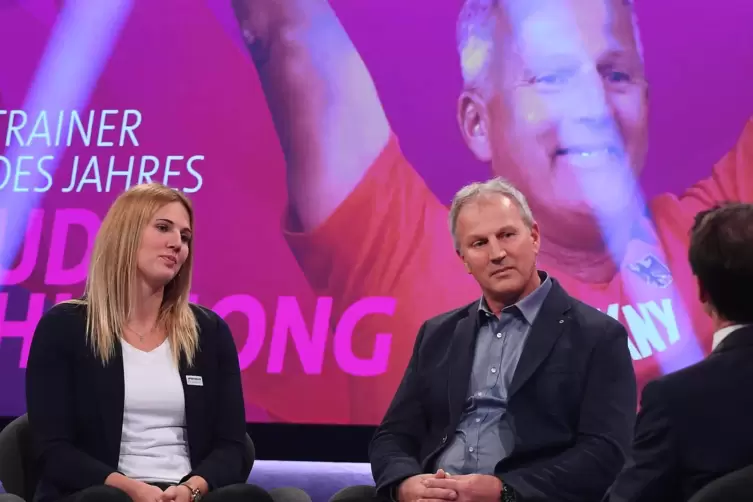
(112, 280)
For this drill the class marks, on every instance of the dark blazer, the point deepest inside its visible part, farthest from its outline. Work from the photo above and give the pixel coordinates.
(572, 401)
(75, 405)
(694, 426)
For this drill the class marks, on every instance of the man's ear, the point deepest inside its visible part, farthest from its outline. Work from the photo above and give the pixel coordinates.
(536, 236)
(465, 263)
(703, 297)
(474, 124)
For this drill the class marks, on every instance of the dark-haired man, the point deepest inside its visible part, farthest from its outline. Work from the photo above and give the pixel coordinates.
(695, 424)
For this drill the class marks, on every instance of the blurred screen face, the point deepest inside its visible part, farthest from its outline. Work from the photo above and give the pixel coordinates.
(567, 110)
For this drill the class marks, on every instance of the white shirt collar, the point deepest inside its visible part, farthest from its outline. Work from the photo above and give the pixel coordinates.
(723, 333)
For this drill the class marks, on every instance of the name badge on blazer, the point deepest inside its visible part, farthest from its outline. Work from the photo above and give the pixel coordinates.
(194, 380)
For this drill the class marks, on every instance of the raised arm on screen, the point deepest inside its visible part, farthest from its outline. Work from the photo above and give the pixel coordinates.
(323, 101)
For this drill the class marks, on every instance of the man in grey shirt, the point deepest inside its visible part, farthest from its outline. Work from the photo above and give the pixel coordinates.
(484, 435)
(524, 395)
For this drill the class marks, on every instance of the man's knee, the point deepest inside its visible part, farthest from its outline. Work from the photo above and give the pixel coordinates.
(289, 494)
(359, 493)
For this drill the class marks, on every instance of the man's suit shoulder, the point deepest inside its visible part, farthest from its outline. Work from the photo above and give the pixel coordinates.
(449, 318)
(709, 377)
(588, 319)
(592, 321)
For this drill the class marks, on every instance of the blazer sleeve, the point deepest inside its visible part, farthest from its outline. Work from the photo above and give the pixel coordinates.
(650, 474)
(49, 394)
(395, 448)
(607, 416)
(227, 462)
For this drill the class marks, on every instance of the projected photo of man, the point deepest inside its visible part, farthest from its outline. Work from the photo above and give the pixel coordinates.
(556, 100)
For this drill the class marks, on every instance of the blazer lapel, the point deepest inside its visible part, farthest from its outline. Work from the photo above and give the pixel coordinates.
(547, 328)
(193, 394)
(461, 361)
(112, 395)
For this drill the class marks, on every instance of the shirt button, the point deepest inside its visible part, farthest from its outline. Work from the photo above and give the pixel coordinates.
(499, 335)
(494, 370)
(478, 420)
(479, 394)
(470, 449)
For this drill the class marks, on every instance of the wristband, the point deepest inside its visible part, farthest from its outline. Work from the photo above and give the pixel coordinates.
(195, 493)
(508, 494)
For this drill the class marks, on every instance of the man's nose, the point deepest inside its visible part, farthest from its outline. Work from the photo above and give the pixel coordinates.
(586, 100)
(589, 118)
(497, 252)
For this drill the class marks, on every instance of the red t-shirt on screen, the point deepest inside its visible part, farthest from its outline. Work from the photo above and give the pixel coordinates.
(390, 238)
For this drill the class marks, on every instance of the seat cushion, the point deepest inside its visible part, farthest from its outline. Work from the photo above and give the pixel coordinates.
(17, 470)
(320, 480)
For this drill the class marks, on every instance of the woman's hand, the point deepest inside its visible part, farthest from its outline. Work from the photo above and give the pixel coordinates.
(184, 492)
(180, 493)
(137, 490)
(143, 492)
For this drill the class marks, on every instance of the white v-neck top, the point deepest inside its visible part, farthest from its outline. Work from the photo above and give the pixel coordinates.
(153, 444)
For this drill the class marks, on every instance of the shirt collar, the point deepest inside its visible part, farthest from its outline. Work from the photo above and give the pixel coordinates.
(528, 306)
(723, 333)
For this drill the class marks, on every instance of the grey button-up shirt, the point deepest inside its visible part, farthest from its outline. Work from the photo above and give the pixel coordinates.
(484, 436)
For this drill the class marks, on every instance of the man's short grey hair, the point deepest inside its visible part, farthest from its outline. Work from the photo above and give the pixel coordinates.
(475, 36)
(474, 191)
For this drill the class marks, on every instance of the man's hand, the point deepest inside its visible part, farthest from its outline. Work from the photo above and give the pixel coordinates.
(414, 489)
(469, 488)
(260, 20)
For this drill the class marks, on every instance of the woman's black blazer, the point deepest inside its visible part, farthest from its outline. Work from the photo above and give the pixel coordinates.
(75, 405)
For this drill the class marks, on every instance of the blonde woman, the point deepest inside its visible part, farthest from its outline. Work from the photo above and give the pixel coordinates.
(133, 393)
